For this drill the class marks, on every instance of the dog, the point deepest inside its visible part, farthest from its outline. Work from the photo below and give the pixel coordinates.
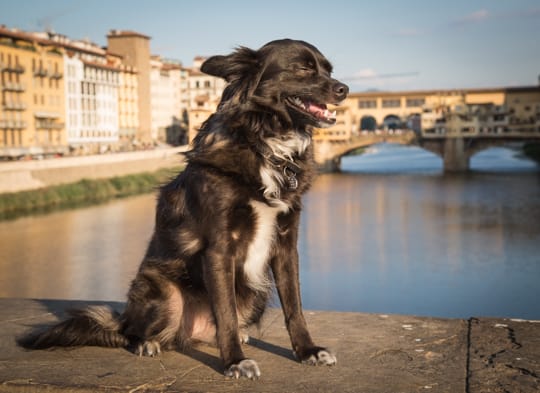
(226, 227)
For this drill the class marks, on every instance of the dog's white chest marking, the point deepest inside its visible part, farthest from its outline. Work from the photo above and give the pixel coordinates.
(256, 264)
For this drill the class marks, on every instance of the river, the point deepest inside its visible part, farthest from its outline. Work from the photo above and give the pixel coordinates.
(391, 234)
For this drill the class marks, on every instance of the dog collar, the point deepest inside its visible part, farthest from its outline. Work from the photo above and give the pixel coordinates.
(290, 170)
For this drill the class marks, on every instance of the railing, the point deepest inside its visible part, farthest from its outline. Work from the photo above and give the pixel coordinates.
(41, 72)
(49, 125)
(13, 86)
(17, 68)
(15, 106)
(12, 124)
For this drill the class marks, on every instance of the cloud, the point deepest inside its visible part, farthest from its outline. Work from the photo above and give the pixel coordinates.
(365, 73)
(368, 78)
(472, 18)
(369, 73)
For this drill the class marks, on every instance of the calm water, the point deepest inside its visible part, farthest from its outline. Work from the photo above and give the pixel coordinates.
(392, 234)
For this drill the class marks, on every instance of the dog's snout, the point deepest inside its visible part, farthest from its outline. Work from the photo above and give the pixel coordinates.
(340, 91)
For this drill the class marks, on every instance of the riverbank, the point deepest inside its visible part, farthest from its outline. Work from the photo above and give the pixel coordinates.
(376, 353)
(81, 193)
(28, 187)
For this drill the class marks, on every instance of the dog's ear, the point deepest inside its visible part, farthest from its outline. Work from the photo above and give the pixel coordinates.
(240, 63)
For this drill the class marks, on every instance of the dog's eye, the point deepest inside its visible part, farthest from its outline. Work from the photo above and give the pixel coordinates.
(305, 69)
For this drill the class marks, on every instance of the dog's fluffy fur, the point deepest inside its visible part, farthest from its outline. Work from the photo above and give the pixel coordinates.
(226, 228)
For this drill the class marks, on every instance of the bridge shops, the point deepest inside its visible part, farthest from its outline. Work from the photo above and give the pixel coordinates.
(454, 124)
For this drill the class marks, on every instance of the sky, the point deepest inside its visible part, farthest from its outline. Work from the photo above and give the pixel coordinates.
(382, 45)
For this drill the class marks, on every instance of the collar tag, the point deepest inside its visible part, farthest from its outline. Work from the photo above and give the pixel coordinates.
(290, 175)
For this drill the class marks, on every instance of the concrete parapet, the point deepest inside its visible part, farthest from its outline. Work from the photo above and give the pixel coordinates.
(27, 175)
(376, 353)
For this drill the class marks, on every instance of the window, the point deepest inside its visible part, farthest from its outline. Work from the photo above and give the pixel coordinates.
(365, 104)
(411, 102)
(391, 103)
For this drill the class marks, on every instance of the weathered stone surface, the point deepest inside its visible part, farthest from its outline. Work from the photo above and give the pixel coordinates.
(504, 356)
(376, 353)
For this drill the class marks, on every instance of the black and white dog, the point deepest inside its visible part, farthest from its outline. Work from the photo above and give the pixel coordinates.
(226, 228)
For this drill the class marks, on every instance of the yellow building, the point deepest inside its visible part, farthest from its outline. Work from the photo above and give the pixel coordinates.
(128, 99)
(32, 87)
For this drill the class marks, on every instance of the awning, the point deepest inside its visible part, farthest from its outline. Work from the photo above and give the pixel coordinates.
(47, 115)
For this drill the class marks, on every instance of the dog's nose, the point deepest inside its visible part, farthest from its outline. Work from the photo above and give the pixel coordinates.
(340, 90)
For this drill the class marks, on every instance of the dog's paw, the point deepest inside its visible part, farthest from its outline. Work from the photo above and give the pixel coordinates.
(247, 368)
(318, 356)
(148, 348)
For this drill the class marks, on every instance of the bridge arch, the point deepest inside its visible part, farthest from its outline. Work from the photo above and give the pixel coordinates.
(392, 122)
(414, 122)
(368, 123)
(328, 154)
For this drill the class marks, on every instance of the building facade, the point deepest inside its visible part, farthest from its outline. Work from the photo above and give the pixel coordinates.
(32, 116)
(91, 95)
(128, 102)
(166, 79)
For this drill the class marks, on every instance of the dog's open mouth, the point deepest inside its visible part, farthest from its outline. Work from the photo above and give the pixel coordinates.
(314, 109)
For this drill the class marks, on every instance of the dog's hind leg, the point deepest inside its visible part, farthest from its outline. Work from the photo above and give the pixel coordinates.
(153, 313)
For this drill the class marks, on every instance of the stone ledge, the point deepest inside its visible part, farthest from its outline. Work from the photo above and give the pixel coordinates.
(376, 353)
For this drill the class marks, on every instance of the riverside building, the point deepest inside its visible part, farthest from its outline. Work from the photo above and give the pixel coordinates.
(32, 115)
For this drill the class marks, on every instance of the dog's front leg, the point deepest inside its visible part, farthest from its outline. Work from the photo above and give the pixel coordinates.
(219, 281)
(286, 275)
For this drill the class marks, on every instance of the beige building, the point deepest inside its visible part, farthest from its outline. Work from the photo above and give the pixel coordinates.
(32, 114)
(204, 95)
(128, 100)
(167, 78)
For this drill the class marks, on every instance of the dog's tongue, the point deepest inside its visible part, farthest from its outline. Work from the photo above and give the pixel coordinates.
(320, 110)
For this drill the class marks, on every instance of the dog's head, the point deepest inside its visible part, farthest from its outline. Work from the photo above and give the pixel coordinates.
(290, 79)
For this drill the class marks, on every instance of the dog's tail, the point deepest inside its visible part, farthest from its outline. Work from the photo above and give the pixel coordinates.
(93, 326)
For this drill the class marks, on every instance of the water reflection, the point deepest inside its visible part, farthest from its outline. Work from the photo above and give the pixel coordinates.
(88, 253)
(419, 242)
(409, 241)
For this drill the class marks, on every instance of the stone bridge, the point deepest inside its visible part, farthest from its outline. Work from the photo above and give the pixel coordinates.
(455, 149)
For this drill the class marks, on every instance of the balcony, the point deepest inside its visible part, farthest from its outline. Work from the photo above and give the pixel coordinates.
(13, 86)
(19, 124)
(12, 124)
(56, 75)
(41, 72)
(17, 68)
(48, 125)
(14, 106)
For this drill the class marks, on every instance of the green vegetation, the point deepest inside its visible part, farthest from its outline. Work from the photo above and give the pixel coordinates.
(84, 192)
